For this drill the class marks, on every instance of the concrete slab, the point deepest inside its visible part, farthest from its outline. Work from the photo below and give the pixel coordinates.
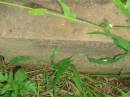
(23, 34)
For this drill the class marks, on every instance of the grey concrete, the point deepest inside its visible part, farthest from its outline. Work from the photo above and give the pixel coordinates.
(23, 34)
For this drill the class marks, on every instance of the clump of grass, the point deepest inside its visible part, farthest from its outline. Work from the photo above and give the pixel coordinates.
(14, 82)
(59, 79)
(66, 81)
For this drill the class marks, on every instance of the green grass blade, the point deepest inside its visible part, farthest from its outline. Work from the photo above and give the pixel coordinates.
(3, 77)
(110, 75)
(20, 75)
(67, 12)
(18, 59)
(125, 75)
(6, 88)
(122, 8)
(118, 41)
(78, 82)
(30, 86)
(55, 55)
(90, 91)
(123, 94)
(60, 68)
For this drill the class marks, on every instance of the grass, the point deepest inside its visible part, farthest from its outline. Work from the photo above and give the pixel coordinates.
(62, 79)
(59, 79)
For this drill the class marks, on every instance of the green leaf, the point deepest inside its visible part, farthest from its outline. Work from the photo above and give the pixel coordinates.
(124, 1)
(61, 67)
(16, 86)
(122, 7)
(20, 75)
(6, 88)
(124, 75)
(106, 26)
(18, 59)
(3, 77)
(118, 41)
(103, 61)
(128, 3)
(67, 12)
(38, 12)
(54, 55)
(107, 60)
(14, 95)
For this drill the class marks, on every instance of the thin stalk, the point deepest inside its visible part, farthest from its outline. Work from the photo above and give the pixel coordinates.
(124, 75)
(15, 5)
(121, 26)
(49, 12)
(52, 13)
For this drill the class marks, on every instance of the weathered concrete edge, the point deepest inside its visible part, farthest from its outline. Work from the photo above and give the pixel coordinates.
(41, 51)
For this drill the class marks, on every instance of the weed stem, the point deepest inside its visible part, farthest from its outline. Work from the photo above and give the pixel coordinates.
(52, 13)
